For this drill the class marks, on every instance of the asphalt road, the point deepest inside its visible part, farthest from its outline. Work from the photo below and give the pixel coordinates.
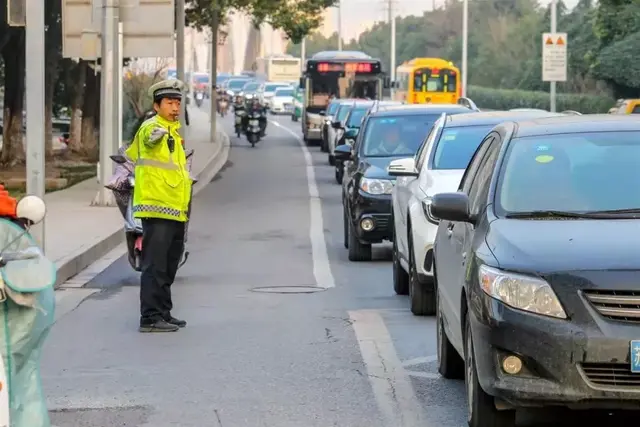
(348, 354)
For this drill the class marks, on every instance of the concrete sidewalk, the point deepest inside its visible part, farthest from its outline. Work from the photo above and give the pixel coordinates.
(77, 234)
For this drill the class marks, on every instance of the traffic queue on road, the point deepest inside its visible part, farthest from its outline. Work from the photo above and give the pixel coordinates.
(519, 230)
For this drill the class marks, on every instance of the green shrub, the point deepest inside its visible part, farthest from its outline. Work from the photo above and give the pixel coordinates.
(506, 99)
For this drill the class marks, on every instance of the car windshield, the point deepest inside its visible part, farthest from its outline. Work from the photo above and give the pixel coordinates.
(342, 112)
(284, 92)
(333, 107)
(355, 118)
(236, 84)
(456, 146)
(271, 88)
(251, 87)
(202, 79)
(580, 172)
(396, 136)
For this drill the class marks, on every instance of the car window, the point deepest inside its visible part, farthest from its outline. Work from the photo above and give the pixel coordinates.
(479, 190)
(333, 107)
(60, 127)
(284, 92)
(636, 109)
(355, 117)
(236, 84)
(422, 152)
(342, 112)
(571, 172)
(396, 135)
(250, 87)
(474, 164)
(456, 145)
(271, 88)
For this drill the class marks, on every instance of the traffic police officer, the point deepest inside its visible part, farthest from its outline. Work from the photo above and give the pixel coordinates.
(161, 200)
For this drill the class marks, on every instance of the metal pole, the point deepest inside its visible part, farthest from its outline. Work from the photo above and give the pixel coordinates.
(303, 51)
(120, 91)
(215, 23)
(34, 50)
(465, 44)
(392, 22)
(339, 24)
(554, 25)
(180, 18)
(108, 131)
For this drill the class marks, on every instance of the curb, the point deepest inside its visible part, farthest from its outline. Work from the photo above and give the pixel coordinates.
(82, 258)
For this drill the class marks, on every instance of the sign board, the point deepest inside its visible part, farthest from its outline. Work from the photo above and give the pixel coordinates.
(149, 27)
(554, 57)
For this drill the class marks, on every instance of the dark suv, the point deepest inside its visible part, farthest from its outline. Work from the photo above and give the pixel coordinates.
(388, 134)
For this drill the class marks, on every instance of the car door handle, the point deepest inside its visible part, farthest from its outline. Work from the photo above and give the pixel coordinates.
(450, 230)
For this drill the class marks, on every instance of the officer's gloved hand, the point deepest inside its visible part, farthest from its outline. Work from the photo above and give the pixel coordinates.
(157, 134)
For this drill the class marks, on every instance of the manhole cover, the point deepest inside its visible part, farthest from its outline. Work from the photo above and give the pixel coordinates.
(289, 289)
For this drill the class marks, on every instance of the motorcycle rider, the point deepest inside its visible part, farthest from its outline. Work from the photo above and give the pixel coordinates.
(255, 106)
(161, 200)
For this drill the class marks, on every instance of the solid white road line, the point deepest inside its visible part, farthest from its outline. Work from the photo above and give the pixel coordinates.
(320, 256)
(391, 385)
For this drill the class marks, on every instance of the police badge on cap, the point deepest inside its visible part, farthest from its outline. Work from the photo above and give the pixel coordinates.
(167, 89)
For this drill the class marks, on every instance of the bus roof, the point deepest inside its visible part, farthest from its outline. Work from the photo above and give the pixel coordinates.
(427, 62)
(340, 55)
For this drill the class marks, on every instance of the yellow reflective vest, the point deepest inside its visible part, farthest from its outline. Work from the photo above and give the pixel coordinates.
(163, 185)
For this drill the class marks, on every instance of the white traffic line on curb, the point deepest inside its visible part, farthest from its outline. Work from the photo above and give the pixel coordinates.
(319, 253)
(391, 384)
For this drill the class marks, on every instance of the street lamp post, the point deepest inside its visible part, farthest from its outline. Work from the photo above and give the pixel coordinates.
(554, 28)
(465, 47)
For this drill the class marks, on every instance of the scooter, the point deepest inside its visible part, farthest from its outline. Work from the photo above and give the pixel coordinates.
(123, 185)
(27, 293)
(253, 128)
(199, 99)
(223, 104)
(239, 115)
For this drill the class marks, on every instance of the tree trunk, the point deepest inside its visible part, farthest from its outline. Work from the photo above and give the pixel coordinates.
(215, 25)
(79, 76)
(13, 136)
(53, 54)
(88, 128)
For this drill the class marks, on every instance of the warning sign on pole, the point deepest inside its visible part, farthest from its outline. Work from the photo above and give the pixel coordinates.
(554, 57)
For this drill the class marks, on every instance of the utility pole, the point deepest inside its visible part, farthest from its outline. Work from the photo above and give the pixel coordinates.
(303, 51)
(554, 29)
(465, 44)
(108, 95)
(34, 50)
(392, 24)
(120, 91)
(215, 24)
(180, 17)
(339, 24)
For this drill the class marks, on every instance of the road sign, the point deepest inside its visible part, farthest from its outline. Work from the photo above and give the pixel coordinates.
(149, 27)
(554, 57)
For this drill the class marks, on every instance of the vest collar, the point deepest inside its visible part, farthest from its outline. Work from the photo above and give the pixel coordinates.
(168, 123)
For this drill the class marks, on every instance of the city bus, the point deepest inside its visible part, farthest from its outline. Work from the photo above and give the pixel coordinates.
(427, 81)
(339, 74)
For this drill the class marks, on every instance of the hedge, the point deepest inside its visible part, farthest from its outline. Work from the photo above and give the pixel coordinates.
(506, 99)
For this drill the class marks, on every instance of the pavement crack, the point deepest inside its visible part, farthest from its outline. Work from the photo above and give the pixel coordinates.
(388, 376)
(328, 335)
(215, 411)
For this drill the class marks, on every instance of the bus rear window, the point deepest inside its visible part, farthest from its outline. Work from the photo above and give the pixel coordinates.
(429, 80)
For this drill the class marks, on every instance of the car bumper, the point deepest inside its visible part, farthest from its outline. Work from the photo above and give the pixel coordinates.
(376, 208)
(564, 363)
(314, 134)
(424, 234)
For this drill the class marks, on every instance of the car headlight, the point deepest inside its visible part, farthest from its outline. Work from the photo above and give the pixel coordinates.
(376, 186)
(426, 209)
(526, 293)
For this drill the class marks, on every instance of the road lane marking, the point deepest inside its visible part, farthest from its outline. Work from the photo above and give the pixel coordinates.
(319, 254)
(391, 385)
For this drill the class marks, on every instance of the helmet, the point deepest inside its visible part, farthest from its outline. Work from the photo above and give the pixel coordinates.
(31, 208)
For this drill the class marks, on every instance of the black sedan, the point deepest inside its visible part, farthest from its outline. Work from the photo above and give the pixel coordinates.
(537, 266)
(366, 187)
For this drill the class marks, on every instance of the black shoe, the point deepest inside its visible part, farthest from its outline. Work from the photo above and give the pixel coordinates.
(177, 322)
(158, 326)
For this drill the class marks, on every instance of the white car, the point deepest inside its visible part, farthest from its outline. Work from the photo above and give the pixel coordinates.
(282, 101)
(438, 167)
(268, 90)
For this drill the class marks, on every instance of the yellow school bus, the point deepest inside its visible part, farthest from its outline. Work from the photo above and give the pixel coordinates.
(427, 81)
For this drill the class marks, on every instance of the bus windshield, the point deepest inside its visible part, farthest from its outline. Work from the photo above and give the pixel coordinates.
(434, 80)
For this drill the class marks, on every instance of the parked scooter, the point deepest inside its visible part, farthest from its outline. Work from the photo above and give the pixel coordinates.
(253, 128)
(123, 185)
(27, 283)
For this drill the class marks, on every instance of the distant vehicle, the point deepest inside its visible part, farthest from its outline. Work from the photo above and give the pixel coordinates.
(298, 102)
(279, 68)
(428, 81)
(345, 74)
(200, 82)
(536, 269)
(282, 101)
(626, 106)
(268, 90)
(251, 87)
(235, 85)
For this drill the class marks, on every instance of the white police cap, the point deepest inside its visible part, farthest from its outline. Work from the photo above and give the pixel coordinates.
(167, 89)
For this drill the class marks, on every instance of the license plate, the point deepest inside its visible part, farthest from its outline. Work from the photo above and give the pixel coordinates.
(288, 107)
(635, 356)
(253, 123)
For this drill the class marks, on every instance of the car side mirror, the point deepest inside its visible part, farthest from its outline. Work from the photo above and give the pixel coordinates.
(403, 167)
(451, 207)
(343, 152)
(336, 125)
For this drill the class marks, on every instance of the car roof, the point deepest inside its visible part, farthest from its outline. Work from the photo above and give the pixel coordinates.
(496, 117)
(418, 109)
(576, 124)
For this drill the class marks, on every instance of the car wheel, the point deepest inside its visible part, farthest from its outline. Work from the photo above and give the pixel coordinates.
(358, 251)
(400, 277)
(481, 408)
(325, 145)
(423, 301)
(450, 364)
(345, 221)
(339, 174)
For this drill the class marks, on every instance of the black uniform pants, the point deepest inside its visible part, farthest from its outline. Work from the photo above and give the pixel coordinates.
(162, 246)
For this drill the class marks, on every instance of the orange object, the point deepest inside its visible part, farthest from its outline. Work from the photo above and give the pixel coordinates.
(7, 203)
